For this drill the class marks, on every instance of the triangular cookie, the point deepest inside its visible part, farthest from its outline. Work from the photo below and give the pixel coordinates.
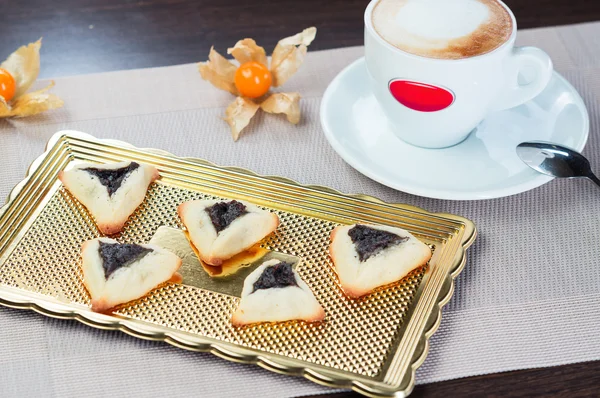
(369, 256)
(275, 293)
(111, 192)
(221, 229)
(115, 273)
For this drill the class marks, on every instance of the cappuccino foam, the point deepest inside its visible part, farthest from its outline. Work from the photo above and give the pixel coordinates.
(447, 29)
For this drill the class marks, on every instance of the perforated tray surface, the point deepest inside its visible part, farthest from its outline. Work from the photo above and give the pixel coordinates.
(372, 345)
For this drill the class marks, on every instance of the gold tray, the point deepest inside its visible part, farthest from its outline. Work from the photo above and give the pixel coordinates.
(373, 345)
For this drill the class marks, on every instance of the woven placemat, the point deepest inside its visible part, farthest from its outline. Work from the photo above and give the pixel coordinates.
(528, 296)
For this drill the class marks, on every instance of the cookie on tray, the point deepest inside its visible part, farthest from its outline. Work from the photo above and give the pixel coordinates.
(115, 273)
(111, 192)
(221, 229)
(274, 292)
(369, 256)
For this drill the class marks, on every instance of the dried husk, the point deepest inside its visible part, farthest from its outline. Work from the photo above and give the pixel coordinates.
(238, 114)
(35, 102)
(24, 66)
(247, 50)
(219, 72)
(286, 103)
(289, 54)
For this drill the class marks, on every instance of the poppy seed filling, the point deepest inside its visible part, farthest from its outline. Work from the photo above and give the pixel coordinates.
(222, 214)
(277, 275)
(370, 241)
(118, 255)
(112, 179)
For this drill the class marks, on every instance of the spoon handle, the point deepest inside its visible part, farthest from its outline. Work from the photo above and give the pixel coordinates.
(595, 179)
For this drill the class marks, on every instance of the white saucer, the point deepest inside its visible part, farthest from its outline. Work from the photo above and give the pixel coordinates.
(483, 166)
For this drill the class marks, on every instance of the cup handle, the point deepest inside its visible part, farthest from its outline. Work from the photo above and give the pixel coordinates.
(521, 58)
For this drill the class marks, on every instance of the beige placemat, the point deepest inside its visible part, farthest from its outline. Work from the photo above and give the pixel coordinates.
(528, 296)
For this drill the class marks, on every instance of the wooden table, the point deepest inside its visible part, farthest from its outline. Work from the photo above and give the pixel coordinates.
(84, 36)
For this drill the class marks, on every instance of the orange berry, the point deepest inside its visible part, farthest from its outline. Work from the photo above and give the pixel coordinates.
(7, 85)
(252, 79)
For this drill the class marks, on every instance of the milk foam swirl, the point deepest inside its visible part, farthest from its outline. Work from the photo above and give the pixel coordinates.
(447, 29)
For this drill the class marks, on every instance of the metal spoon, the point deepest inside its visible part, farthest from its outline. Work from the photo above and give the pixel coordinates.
(555, 160)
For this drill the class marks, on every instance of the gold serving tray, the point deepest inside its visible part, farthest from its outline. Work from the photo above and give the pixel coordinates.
(372, 345)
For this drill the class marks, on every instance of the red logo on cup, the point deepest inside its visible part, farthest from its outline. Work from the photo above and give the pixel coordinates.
(420, 96)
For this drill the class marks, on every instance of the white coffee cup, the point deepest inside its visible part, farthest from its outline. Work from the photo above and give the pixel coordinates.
(471, 88)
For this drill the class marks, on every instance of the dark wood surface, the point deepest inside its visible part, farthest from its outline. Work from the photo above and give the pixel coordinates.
(570, 381)
(85, 36)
